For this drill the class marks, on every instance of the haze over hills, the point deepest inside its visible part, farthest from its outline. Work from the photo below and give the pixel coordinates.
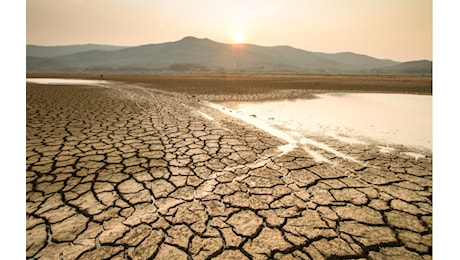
(191, 54)
(52, 51)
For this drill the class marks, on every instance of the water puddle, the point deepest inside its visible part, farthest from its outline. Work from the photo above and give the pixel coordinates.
(353, 118)
(57, 81)
(388, 118)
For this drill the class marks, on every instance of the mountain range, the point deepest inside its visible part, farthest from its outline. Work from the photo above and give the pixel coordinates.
(191, 54)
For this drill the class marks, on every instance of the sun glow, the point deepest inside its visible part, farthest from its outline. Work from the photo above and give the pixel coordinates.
(238, 37)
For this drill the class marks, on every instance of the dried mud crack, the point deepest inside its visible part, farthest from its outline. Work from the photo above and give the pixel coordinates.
(129, 172)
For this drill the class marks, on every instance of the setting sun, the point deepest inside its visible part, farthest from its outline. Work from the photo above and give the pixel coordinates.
(238, 37)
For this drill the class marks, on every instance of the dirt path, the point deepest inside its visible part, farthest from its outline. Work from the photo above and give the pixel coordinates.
(126, 172)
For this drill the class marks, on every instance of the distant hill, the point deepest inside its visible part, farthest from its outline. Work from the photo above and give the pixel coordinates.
(52, 51)
(191, 54)
(420, 67)
(45, 65)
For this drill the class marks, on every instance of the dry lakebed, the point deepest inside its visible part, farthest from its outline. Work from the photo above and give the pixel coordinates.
(147, 167)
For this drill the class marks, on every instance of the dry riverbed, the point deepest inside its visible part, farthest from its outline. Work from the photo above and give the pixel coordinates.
(138, 171)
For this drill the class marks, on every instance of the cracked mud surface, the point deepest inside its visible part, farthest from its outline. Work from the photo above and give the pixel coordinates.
(128, 172)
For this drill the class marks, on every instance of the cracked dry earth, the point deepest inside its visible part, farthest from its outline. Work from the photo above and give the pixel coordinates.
(127, 172)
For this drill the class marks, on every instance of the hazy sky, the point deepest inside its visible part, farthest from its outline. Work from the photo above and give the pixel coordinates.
(396, 29)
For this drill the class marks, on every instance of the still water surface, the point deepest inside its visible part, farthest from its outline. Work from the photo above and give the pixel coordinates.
(390, 118)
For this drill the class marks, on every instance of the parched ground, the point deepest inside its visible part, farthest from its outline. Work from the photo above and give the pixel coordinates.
(122, 171)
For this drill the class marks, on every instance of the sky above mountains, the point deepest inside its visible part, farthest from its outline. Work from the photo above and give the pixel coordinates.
(393, 29)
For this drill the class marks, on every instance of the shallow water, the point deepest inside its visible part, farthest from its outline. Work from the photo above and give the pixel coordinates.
(353, 117)
(57, 81)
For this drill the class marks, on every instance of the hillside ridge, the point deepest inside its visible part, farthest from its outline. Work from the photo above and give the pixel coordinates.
(191, 54)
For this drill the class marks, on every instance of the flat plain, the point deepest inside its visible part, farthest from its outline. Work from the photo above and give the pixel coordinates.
(132, 169)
